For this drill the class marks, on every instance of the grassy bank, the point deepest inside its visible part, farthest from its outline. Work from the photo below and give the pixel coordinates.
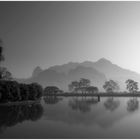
(101, 94)
(20, 103)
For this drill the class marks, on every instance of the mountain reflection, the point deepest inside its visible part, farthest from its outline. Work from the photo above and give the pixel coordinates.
(132, 104)
(12, 115)
(83, 104)
(52, 99)
(111, 104)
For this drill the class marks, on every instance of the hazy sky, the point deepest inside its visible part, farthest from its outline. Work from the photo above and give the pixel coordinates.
(50, 33)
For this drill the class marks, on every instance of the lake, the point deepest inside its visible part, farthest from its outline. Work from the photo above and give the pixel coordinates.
(72, 117)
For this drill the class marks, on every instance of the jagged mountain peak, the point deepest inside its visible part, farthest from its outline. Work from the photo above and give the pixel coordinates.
(36, 71)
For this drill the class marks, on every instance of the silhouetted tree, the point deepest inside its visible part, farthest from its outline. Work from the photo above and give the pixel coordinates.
(13, 91)
(1, 51)
(84, 82)
(5, 74)
(111, 86)
(9, 91)
(131, 86)
(24, 91)
(1, 56)
(79, 86)
(35, 91)
(74, 85)
(92, 89)
(4, 91)
(51, 90)
(39, 90)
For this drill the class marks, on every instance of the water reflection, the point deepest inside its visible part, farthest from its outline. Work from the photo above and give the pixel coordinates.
(132, 104)
(52, 99)
(111, 104)
(83, 104)
(12, 115)
(73, 117)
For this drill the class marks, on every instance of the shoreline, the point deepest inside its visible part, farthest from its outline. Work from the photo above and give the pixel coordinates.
(101, 94)
(19, 103)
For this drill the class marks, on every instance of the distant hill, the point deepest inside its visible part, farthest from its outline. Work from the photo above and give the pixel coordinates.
(98, 72)
(65, 68)
(113, 71)
(62, 80)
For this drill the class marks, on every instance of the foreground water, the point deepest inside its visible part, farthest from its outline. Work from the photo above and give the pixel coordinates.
(72, 117)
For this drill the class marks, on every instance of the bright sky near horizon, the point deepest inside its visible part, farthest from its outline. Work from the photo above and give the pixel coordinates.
(50, 33)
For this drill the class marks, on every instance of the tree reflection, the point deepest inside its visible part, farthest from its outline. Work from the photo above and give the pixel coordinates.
(51, 99)
(83, 104)
(132, 104)
(111, 104)
(12, 115)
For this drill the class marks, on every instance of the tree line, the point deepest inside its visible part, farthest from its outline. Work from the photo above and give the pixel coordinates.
(11, 91)
(83, 86)
(110, 86)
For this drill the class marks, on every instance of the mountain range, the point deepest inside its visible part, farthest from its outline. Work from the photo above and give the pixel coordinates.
(97, 72)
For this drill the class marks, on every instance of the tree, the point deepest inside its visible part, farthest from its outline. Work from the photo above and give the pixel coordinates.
(1, 51)
(35, 91)
(5, 74)
(13, 91)
(131, 86)
(39, 90)
(74, 85)
(111, 86)
(24, 91)
(9, 91)
(84, 82)
(80, 85)
(1, 56)
(4, 91)
(51, 90)
(92, 89)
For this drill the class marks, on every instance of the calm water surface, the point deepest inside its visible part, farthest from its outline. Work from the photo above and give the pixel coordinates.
(72, 117)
